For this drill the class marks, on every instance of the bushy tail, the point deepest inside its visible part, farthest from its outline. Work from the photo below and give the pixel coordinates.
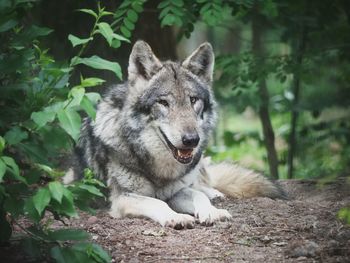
(236, 181)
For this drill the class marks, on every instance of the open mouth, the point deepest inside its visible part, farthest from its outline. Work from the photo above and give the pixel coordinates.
(184, 156)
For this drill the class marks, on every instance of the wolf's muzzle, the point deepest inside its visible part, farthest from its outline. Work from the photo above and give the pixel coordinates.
(183, 155)
(190, 140)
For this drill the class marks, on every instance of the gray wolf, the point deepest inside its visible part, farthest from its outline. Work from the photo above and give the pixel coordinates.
(148, 139)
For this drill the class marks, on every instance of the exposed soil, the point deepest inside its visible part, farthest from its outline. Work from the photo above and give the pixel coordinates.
(302, 229)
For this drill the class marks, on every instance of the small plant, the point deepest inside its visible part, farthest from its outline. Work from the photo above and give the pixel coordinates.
(40, 119)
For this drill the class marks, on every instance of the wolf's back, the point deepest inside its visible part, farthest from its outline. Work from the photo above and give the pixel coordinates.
(236, 181)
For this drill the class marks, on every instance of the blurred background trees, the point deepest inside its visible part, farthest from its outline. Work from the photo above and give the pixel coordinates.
(281, 72)
(283, 64)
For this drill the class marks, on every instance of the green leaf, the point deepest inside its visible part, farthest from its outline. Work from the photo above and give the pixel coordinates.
(44, 168)
(56, 190)
(116, 43)
(99, 254)
(76, 41)
(137, 7)
(88, 11)
(95, 182)
(67, 206)
(68, 255)
(106, 31)
(168, 20)
(70, 121)
(89, 108)
(15, 136)
(33, 176)
(68, 195)
(91, 82)
(99, 63)
(13, 168)
(94, 97)
(41, 199)
(88, 174)
(344, 214)
(91, 189)
(94, 251)
(9, 24)
(11, 163)
(56, 254)
(2, 170)
(132, 16)
(165, 11)
(178, 3)
(120, 37)
(30, 210)
(43, 117)
(2, 144)
(32, 33)
(34, 151)
(55, 107)
(120, 12)
(68, 234)
(129, 25)
(125, 31)
(77, 93)
(163, 4)
(106, 13)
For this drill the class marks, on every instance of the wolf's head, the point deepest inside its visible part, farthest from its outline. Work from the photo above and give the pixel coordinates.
(174, 101)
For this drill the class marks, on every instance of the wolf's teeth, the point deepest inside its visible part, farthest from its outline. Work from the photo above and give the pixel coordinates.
(178, 152)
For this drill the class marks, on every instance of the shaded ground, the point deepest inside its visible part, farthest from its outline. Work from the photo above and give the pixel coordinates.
(303, 229)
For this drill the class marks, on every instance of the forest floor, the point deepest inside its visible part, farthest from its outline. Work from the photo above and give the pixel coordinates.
(304, 228)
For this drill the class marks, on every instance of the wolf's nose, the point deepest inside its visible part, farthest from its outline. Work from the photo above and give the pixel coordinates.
(190, 139)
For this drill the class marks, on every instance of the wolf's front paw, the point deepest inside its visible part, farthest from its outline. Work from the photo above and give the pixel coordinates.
(208, 217)
(180, 221)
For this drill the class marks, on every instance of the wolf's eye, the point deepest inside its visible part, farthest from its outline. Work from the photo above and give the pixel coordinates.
(164, 103)
(193, 100)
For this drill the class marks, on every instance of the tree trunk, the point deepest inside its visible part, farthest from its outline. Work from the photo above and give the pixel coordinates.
(299, 53)
(269, 136)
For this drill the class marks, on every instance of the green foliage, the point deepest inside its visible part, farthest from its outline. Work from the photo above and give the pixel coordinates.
(104, 29)
(344, 214)
(124, 20)
(40, 119)
(184, 14)
(213, 12)
(81, 252)
(237, 77)
(172, 13)
(322, 143)
(99, 63)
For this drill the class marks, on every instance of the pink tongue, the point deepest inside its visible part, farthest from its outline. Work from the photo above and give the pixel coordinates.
(185, 153)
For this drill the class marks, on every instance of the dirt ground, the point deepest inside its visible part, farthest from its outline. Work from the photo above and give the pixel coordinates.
(302, 229)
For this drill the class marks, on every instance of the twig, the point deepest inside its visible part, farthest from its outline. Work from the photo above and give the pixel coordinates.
(29, 232)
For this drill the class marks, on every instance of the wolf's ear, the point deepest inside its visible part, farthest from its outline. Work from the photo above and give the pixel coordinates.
(201, 62)
(142, 62)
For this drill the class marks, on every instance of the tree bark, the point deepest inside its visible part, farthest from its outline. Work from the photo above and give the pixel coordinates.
(299, 54)
(264, 115)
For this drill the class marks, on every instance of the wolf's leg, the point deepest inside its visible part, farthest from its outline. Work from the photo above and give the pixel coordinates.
(196, 203)
(133, 205)
(210, 192)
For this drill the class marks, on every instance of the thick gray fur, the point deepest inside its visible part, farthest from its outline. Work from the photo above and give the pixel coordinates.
(126, 145)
